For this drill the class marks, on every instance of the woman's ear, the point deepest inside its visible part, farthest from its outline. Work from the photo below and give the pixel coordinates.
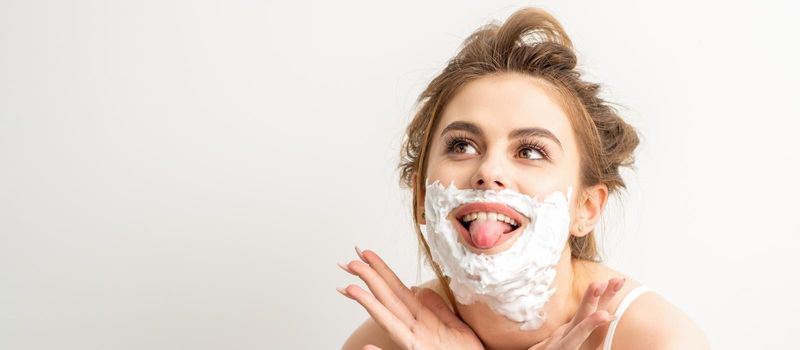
(590, 209)
(420, 204)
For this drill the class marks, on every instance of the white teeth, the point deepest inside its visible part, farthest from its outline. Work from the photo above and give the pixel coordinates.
(489, 216)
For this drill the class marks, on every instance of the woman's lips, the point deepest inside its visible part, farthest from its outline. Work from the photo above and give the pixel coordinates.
(470, 208)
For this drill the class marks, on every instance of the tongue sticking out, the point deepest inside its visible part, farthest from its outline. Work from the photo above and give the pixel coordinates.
(486, 233)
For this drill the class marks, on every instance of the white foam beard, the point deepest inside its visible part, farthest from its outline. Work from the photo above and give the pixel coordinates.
(516, 282)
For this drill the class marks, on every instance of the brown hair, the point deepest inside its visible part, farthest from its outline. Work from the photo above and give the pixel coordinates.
(530, 42)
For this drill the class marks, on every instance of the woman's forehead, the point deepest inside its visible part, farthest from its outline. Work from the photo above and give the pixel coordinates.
(502, 103)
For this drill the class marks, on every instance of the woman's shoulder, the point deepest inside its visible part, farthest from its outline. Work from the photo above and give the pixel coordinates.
(650, 321)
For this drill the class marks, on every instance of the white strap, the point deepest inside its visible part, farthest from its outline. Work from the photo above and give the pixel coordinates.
(620, 309)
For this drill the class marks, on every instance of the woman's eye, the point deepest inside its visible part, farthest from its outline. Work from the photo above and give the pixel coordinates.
(530, 153)
(463, 147)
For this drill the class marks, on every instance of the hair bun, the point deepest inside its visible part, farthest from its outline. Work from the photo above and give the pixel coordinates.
(530, 40)
(547, 56)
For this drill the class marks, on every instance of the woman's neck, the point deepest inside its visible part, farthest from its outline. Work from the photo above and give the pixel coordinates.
(500, 333)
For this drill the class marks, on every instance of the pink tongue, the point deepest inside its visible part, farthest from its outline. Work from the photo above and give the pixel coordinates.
(485, 233)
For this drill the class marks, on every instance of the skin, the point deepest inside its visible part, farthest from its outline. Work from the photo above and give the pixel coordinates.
(587, 293)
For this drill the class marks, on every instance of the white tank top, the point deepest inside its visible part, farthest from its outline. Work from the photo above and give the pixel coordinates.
(620, 309)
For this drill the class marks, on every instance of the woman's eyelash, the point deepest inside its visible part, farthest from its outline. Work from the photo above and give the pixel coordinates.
(454, 140)
(536, 146)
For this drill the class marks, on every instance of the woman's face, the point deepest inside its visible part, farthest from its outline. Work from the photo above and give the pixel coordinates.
(505, 131)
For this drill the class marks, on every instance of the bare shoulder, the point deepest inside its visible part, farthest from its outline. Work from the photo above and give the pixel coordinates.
(649, 322)
(652, 322)
(370, 332)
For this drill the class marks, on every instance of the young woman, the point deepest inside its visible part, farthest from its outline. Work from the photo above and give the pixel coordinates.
(511, 159)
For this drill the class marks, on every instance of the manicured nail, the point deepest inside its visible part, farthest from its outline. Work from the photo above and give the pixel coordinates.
(600, 290)
(619, 285)
(345, 268)
(361, 255)
(341, 290)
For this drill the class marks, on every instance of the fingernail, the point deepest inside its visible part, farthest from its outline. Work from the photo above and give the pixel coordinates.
(345, 268)
(341, 290)
(619, 285)
(599, 290)
(611, 318)
(361, 255)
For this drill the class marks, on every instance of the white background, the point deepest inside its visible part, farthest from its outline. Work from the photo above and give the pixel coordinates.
(186, 174)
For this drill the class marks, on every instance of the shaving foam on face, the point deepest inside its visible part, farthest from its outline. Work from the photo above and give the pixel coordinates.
(516, 282)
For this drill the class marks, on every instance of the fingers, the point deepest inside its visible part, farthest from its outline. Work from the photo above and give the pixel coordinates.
(578, 335)
(614, 286)
(399, 332)
(597, 297)
(381, 290)
(385, 285)
(395, 284)
(588, 304)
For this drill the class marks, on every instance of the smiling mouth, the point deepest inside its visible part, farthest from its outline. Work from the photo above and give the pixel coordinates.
(468, 219)
(487, 225)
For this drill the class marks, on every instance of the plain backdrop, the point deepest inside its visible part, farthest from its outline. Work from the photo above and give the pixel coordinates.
(186, 174)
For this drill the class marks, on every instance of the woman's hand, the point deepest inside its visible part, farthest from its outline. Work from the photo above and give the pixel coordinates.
(591, 314)
(418, 321)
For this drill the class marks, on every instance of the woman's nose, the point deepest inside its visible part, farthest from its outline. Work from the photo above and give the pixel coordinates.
(490, 175)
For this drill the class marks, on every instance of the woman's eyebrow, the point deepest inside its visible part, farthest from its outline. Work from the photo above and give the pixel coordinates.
(464, 126)
(518, 133)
